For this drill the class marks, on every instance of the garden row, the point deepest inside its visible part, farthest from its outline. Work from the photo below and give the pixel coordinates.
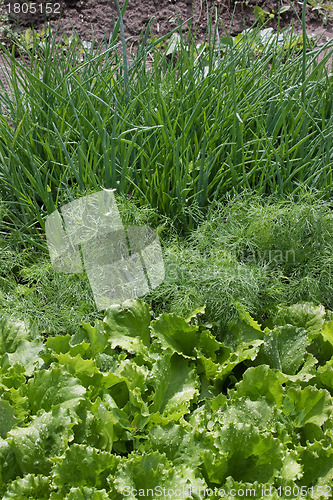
(130, 407)
(222, 377)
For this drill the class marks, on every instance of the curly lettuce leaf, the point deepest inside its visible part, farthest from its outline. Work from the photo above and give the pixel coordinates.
(155, 473)
(304, 315)
(83, 369)
(325, 375)
(245, 353)
(59, 343)
(129, 321)
(242, 451)
(259, 413)
(91, 340)
(317, 463)
(171, 439)
(15, 396)
(30, 486)
(260, 381)
(85, 493)
(13, 377)
(209, 346)
(116, 330)
(47, 436)
(251, 490)
(27, 354)
(83, 465)
(8, 465)
(103, 425)
(49, 388)
(176, 334)
(322, 346)
(12, 333)
(308, 405)
(284, 348)
(243, 331)
(7, 418)
(175, 384)
(130, 394)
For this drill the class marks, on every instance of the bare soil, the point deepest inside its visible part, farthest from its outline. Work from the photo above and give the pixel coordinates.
(95, 19)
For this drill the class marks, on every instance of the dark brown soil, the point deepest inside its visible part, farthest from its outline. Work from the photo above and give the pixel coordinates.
(96, 17)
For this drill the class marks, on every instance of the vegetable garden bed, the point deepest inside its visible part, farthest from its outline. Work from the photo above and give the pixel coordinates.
(219, 384)
(132, 408)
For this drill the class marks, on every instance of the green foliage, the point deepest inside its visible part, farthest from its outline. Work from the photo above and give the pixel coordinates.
(251, 250)
(249, 113)
(130, 402)
(30, 288)
(262, 15)
(56, 302)
(29, 39)
(130, 405)
(323, 8)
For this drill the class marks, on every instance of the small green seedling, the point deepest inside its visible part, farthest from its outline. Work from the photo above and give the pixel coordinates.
(262, 16)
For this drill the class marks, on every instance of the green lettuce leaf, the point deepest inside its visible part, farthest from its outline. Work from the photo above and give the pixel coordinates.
(26, 354)
(83, 465)
(208, 345)
(7, 418)
(17, 399)
(327, 332)
(176, 334)
(284, 348)
(99, 425)
(304, 375)
(291, 469)
(83, 369)
(91, 340)
(258, 382)
(240, 450)
(249, 490)
(49, 388)
(322, 346)
(131, 321)
(11, 334)
(175, 385)
(311, 432)
(58, 343)
(84, 493)
(13, 377)
(317, 462)
(28, 487)
(259, 413)
(245, 353)
(305, 315)
(325, 375)
(47, 436)
(308, 405)
(135, 377)
(170, 439)
(9, 469)
(155, 473)
(243, 331)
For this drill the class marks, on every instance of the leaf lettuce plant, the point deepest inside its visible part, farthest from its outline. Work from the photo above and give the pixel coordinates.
(130, 403)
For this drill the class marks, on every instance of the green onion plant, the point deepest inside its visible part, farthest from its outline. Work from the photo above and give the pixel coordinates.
(174, 131)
